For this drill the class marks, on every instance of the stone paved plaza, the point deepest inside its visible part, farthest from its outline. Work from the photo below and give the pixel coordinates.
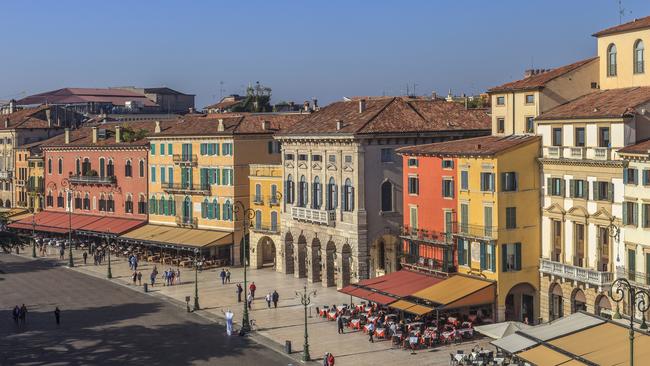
(275, 325)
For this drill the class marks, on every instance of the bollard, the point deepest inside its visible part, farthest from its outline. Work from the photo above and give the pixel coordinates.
(146, 287)
(287, 347)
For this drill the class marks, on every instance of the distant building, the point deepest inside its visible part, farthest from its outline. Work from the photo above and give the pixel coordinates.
(226, 104)
(168, 100)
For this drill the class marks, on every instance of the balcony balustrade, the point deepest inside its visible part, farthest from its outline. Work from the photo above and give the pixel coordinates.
(554, 152)
(190, 222)
(477, 231)
(185, 159)
(185, 188)
(92, 179)
(6, 174)
(577, 152)
(322, 217)
(266, 228)
(264, 200)
(638, 278)
(575, 273)
(602, 153)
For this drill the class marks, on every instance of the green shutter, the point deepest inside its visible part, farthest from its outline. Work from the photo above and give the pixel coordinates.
(596, 192)
(626, 176)
(504, 257)
(610, 191)
(518, 256)
(549, 188)
(169, 149)
(461, 252)
(494, 258)
(153, 149)
(162, 149)
(625, 218)
(644, 216)
(483, 255)
(636, 214)
(503, 182)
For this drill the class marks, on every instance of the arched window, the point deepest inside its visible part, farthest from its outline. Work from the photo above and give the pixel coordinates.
(87, 202)
(59, 200)
(227, 211)
(639, 66)
(102, 203)
(78, 166)
(128, 170)
(110, 204)
(49, 200)
(141, 169)
(7, 203)
(110, 168)
(290, 191)
(153, 203)
(85, 166)
(302, 191)
(204, 209)
(128, 205)
(77, 201)
(215, 208)
(49, 166)
(387, 196)
(142, 205)
(332, 193)
(162, 206)
(317, 192)
(348, 196)
(274, 221)
(60, 167)
(187, 210)
(102, 167)
(611, 60)
(258, 193)
(258, 219)
(172, 206)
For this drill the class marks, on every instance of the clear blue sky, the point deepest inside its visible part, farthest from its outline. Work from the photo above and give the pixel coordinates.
(302, 49)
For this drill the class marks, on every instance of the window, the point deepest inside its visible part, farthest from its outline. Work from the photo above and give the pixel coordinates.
(387, 196)
(501, 125)
(611, 60)
(110, 169)
(413, 162)
(153, 149)
(645, 215)
(102, 203)
(630, 213)
(580, 136)
(142, 206)
(102, 167)
(487, 220)
(169, 149)
(162, 149)
(258, 193)
(78, 166)
(316, 158)
(638, 57)
(59, 201)
(413, 217)
(464, 180)
(332, 158)
(348, 194)
(464, 255)
(630, 176)
(332, 191)
(141, 169)
(646, 177)
(386, 155)
(289, 190)
(78, 202)
(288, 157)
(414, 185)
(302, 191)
(60, 166)
(86, 202)
(487, 257)
(578, 188)
(302, 157)
(511, 217)
(273, 200)
(317, 194)
(464, 217)
(509, 181)
(557, 136)
(274, 221)
(603, 137)
(348, 159)
(49, 166)
(153, 203)
(487, 182)
(501, 100)
(128, 205)
(447, 164)
(530, 124)
(448, 188)
(153, 174)
(85, 166)
(530, 98)
(226, 148)
(49, 200)
(128, 170)
(555, 187)
(603, 191)
(511, 257)
(162, 175)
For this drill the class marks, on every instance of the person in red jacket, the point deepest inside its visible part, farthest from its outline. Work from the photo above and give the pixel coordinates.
(252, 287)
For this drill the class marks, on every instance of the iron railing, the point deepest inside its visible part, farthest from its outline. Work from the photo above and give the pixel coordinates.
(92, 179)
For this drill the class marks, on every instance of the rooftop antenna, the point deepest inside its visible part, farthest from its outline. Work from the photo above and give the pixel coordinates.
(221, 89)
(621, 11)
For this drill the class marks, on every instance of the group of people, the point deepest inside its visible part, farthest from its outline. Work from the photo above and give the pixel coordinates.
(169, 276)
(133, 262)
(225, 276)
(19, 314)
(271, 297)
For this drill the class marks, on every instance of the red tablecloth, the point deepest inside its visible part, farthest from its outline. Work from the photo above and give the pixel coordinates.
(380, 332)
(355, 324)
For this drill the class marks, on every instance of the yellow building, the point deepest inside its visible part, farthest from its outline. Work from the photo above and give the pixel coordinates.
(29, 179)
(198, 173)
(497, 233)
(265, 199)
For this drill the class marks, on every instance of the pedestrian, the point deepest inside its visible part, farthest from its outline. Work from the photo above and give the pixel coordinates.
(178, 275)
(227, 275)
(371, 330)
(165, 274)
(250, 301)
(339, 323)
(135, 263)
(223, 276)
(268, 300)
(16, 314)
(57, 315)
(229, 315)
(23, 314)
(135, 277)
(252, 288)
(275, 297)
(330, 360)
(61, 253)
(85, 255)
(140, 278)
(153, 279)
(239, 291)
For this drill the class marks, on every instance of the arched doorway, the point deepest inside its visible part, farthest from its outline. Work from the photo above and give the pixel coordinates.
(330, 265)
(265, 252)
(346, 265)
(301, 258)
(315, 261)
(578, 301)
(520, 303)
(603, 307)
(288, 254)
(384, 255)
(556, 302)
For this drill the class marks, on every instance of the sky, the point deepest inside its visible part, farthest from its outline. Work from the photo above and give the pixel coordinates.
(301, 49)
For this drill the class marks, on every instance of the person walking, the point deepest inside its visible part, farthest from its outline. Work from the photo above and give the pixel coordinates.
(85, 255)
(250, 301)
(16, 314)
(153, 278)
(23, 314)
(61, 253)
(223, 276)
(135, 277)
(57, 315)
(239, 291)
(252, 288)
(339, 323)
(330, 360)
(275, 297)
(268, 300)
(371, 331)
(140, 278)
(229, 315)
(227, 275)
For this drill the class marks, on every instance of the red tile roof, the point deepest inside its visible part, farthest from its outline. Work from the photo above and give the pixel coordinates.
(641, 147)
(116, 97)
(27, 118)
(538, 81)
(611, 103)
(482, 146)
(391, 115)
(625, 27)
(59, 222)
(234, 124)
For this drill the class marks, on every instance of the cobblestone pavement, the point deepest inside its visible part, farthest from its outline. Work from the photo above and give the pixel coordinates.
(104, 323)
(284, 323)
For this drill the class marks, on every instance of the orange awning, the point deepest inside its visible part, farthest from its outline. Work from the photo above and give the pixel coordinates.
(458, 291)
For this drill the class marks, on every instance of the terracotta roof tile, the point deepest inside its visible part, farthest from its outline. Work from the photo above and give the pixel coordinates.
(611, 103)
(625, 27)
(484, 146)
(391, 115)
(26, 118)
(540, 80)
(641, 147)
(86, 95)
(234, 123)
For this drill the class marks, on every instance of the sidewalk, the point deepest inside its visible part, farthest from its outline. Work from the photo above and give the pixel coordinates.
(277, 325)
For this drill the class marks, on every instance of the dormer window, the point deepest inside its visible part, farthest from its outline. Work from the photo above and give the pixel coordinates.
(611, 60)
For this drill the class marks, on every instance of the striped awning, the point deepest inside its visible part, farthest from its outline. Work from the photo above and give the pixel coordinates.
(178, 237)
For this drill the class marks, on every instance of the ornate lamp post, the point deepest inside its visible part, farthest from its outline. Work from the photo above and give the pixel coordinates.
(109, 273)
(637, 299)
(305, 300)
(196, 280)
(248, 216)
(33, 227)
(65, 183)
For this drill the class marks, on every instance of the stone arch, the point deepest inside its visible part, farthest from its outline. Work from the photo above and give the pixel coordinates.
(330, 265)
(288, 254)
(602, 306)
(346, 265)
(314, 260)
(300, 255)
(556, 301)
(578, 300)
(520, 303)
(265, 252)
(384, 255)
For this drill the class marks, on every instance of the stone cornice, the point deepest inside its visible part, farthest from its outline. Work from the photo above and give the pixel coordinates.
(583, 162)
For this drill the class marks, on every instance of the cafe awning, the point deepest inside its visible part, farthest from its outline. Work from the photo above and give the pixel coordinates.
(514, 343)
(401, 283)
(411, 307)
(62, 222)
(366, 294)
(544, 356)
(178, 237)
(458, 291)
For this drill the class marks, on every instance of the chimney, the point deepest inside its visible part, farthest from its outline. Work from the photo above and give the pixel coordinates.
(315, 103)
(305, 106)
(362, 105)
(191, 110)
(12, 106)
(339, 124)
(7, 122)
(67, 135)
(157, 128)
(220, 127)
(266, 125)
(118, 134)
(94, 134)
(434, 95)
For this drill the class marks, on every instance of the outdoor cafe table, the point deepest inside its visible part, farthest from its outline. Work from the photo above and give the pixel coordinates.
(372, 319)
(380, 332)
(414, 325)
(322, 312)
(355, 323)
(331, 315)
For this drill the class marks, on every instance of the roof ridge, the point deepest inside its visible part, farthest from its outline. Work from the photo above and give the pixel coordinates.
(376, 114)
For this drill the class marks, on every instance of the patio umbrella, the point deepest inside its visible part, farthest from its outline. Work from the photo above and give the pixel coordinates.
(500, 330)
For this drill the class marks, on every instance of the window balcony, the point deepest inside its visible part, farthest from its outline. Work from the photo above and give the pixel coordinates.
(553, 152)
(575, 273)
(192, 189)
(34, 189)
(477, 231)
(577, 152)
(6, 174)
(190, 222)
(266, 228)
(92, 179)
(639, 279)
(427, 236)
(602, 153)
(264, 200)
(322, 217)
(185, 159)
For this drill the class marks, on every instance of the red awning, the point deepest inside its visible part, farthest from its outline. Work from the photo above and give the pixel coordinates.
(401, 283)
(60, 222)
(369, 295)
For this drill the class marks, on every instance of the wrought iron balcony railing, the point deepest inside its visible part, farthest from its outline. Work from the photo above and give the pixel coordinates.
(429, 236)
(92, 179)
(190, 222)
(185, 159)
(186, 188)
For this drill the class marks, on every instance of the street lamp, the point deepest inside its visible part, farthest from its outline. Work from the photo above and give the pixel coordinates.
(249, 215)
(637, 299)
(109, 274)
(305, 300)
(65, 182)
(33, 227)
(196, 280)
